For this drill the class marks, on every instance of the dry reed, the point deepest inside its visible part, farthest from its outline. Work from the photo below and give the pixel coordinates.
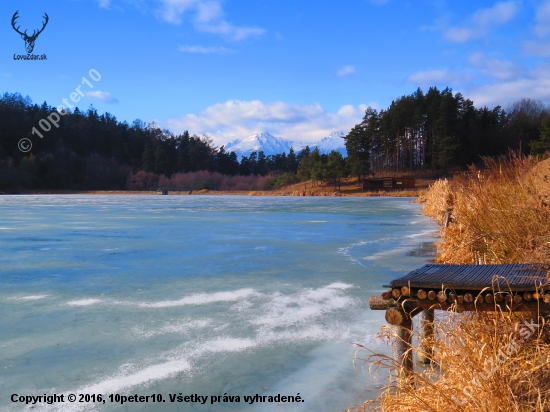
(482, 361)
(499, 214)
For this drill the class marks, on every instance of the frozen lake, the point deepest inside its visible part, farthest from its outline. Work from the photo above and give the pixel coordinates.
(206, 295)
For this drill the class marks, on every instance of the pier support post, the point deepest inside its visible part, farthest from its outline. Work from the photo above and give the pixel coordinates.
(426, 326)
(402, 344)
(401, 319)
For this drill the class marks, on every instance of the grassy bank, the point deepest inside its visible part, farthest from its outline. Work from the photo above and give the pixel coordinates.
(487, 361)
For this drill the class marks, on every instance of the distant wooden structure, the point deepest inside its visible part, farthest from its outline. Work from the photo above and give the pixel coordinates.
(388, 183)
(516, 287)
(165, 190)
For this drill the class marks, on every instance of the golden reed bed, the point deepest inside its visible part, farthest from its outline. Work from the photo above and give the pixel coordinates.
(485, 361)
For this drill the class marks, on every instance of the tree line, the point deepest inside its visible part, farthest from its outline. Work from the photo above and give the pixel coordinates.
(93, 151)
(437, 130)
(428, 131)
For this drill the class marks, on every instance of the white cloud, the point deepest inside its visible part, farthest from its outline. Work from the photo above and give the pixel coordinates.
(437, 77)
(238, 119)
(542, 19)
(506, 93)
(205, 50)
(460, 34)
(229, 31)
(207, 17)
(480, 22)
(535, 84)
(344, 71)
(104, 97)
(495, 68)
(104, 4)
(173, 10)
(500, 13)
(537, 49)
(379, 2)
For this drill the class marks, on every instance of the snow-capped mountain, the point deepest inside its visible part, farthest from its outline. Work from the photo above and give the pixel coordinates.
(265, 142)
(271, 145)
(334, 141)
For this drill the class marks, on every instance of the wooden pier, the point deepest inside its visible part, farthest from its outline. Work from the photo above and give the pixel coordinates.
(515, 287)
(388, 183)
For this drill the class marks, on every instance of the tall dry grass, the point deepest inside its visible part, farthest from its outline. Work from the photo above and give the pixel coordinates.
(484, 361)
(499, 214)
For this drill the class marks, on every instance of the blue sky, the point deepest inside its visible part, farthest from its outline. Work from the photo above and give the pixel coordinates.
(298, 69)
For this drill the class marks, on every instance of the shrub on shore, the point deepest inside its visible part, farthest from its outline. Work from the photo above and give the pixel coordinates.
(279, 181)
(196, 181)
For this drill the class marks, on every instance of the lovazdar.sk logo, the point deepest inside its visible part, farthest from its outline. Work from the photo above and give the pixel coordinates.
(29, 40)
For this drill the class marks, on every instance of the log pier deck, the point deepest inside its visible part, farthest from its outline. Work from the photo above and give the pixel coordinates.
(516, 287)
(522, 287)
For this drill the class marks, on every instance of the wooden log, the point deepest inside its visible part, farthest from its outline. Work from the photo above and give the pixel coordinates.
(468, 298)
(499, 297)
(517, 299)
(377, 303)
(441, 296)
(421, 294)
(396, 293)
(426, 323)
(524, 306)
(508, 298)
(460, 299)
(546, 298)
(394, 316)
(528, 296)
(397, 342)
(405, 291)
(537, 296)
(451, 298)
(386, 295)
(479, 298)
(489, 298)
(401, 346)
(431, 295)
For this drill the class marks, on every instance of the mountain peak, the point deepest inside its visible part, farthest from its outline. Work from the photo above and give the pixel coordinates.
(263, 141)
(272, 145)
(334, 141)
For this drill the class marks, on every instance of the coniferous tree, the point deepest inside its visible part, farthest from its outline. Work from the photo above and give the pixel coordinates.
(542, 145)
(182, 143)
(292, 162)
(358, 147)
(148, 158)
(335, 168)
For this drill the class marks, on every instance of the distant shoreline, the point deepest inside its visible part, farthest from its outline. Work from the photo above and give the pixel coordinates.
(348, 187)
(327, 193)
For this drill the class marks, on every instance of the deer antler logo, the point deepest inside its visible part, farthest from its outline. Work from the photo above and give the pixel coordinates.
(29, 40)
